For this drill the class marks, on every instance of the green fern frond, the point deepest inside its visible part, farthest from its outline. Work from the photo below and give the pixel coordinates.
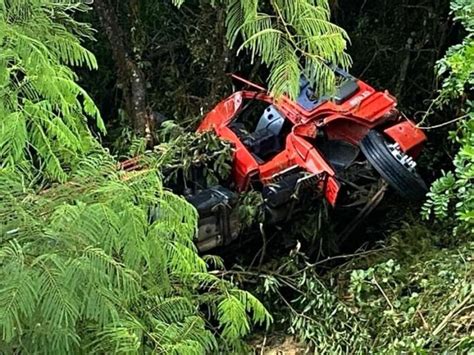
(84, 257)
(295, 38)
(171, 309)
(123, 337)
(44, 110)
(214, 261)
(233, 318)
(259, 313)
(18, 291)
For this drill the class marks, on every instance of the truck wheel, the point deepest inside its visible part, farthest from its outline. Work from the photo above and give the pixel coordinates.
(395, 167)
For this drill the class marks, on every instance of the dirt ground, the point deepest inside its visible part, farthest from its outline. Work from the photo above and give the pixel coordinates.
(279, 344)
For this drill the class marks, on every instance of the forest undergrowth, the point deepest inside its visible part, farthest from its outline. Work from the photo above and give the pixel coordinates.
(74, 278)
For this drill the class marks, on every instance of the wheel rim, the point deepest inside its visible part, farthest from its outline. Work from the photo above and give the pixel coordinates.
(403, 158)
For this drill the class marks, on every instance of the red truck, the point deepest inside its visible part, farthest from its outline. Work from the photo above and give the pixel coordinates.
(285, 149)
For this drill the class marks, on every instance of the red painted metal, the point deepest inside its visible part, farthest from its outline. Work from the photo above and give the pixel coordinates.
(248, 82)
(350, 120)
(408, 136)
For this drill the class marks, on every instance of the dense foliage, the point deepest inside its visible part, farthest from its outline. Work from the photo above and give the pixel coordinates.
(75, 276)
(452, 196)
(295, 37)
(406, 296)
(103, 261)
(42, 109)
(95, 259)
(412, 293)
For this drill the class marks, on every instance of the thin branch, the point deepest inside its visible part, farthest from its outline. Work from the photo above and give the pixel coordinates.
(383, 293)
(454, 120)
(451, 314)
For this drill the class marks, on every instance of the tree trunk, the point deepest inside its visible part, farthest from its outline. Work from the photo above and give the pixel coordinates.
(130, 77)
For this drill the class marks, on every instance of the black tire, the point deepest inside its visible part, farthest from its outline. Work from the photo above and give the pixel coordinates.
(408, 184)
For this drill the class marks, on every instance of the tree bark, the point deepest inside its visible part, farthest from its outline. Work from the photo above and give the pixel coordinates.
(130, 76)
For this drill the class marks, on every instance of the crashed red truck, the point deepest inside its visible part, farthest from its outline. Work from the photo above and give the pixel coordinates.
(337, 148)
